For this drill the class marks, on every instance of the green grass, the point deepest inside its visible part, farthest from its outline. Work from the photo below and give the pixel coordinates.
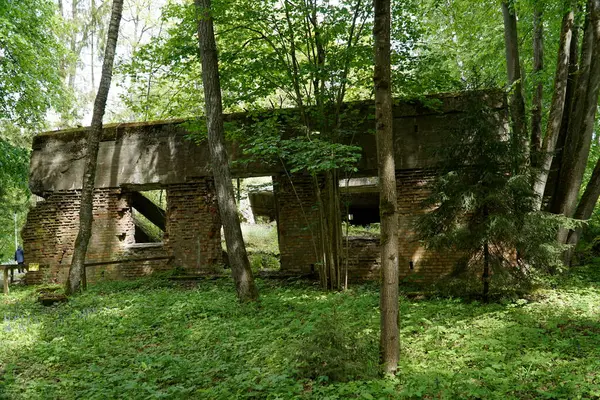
(151, 339)
(261, 238)
(262, 245)
(371, 230)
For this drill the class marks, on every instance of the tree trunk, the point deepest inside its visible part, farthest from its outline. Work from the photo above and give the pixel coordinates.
(334, 225)
(590, 196)
(538, 67)
(240, 266)
(585, 208)
(328, 199)
(93, 38)
(77, 270)
(486, 272)
(324, 240)
(389, 338)
(551, 183)
(557, 107)
(513, 68)
(73, 45)
(581, 123)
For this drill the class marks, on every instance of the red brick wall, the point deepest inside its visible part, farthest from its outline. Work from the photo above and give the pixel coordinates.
(297, 223)
(428, 265)
(192, 237)
(52, 225)
(132, 269)
(364, 258)
(193, 226)
(295, 239)
(193, 232)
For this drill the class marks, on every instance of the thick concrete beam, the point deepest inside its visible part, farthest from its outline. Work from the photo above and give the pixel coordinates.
(148, 209)
(156, 154)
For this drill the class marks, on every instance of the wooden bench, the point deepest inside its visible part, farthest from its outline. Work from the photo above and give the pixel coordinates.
(10, 267)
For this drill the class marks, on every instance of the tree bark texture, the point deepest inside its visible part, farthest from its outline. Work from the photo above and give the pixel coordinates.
(240, 266)
(564, 126)
(557, 108)
(588, 201)
(513, 68)
(486, 272)
(538, 67)
(73, 45)
(585, 208)
(581, 122)
(389, 338)
(77, 269)
(334, 229)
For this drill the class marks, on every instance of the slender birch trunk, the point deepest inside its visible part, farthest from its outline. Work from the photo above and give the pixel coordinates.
(77, 269)
(538, 67)
(513, 69)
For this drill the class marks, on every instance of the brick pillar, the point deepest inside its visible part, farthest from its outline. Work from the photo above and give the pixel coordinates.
(52, 225)
(427, 265)
(193, 226)
(297, 223)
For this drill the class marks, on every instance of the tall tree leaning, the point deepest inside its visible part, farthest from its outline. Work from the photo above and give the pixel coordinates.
(77, 270)
(590, 196)
(582, 120)
(538, 67)
(240, 266)
(557, 107)
(389, 337)
(513, 69)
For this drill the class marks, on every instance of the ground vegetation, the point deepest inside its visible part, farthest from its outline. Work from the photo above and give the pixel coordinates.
(151, 338)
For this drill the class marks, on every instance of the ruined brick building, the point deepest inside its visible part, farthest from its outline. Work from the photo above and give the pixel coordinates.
(135, 157)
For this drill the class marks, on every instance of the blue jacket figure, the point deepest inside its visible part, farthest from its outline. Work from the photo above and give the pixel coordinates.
(20, 258)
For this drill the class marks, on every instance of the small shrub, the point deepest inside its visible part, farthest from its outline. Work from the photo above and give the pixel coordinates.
(332, 350)
(263, 261)
(588, 248)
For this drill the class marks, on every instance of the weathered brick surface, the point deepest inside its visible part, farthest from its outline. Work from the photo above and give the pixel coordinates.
(428, 265)
(192, 237)
(296, 239)
(297, 223)
(127, 270)
(364, 258)
(193, 233)
(52, 226)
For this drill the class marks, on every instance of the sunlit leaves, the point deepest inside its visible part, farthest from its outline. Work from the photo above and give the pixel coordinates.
(30, 56)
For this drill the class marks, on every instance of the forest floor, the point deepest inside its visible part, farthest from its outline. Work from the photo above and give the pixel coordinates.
(153, 338)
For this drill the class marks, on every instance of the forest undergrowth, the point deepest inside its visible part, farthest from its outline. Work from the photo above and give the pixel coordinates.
(152, 338)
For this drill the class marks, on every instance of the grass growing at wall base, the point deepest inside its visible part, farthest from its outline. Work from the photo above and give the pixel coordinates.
(150, 339)
(262, 246)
